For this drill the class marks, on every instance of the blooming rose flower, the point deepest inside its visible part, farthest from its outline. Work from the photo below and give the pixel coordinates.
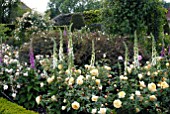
(60, 66)
(38, 99)
(121, 94)
(71, 81)
(94, 98)
(152, 98)
(53, 98)
(140, 76)
(5, 87)
(137, 93)
(63, 107)
(75, 105)
(152, 87)
(102, 111)
(50, 79)
(142, 84)
(117, 103)
(94, 111)
(79, 81)
(94, 72)
(107, 68)
(164, 85)
(97, 81)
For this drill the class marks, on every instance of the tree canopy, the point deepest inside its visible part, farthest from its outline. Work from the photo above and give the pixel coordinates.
(57, 7)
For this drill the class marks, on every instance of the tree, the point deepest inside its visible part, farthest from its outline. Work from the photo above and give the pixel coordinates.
(57, 7)
(123, 17)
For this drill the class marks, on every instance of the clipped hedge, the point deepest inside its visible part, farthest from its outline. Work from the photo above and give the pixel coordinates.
(7, 107)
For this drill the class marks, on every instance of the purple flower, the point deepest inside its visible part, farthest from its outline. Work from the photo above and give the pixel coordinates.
(169, 50)
(32, 59)
(64, 33)
(163, 51)
(139, 57)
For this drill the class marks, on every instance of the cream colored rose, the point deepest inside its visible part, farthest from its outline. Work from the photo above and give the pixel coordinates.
(94, 111)
(94, 98)
(63, 107)
(75, 105)
(102, 111)
(121, 94)
(152, 87)
(38, 99)
(53, 98)
(152, 98)
(79, 81)
(164, 84)
(60, 66)
(94, 72)
(107, 68)
(117, 103)
(137, 93)
(50, 79)
(167, 64)
(137, 110)
(97, 81)
(78, 71)
(71, 81)
(142, 84)
(140, 76)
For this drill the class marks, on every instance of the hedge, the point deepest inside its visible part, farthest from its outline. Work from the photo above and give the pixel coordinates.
(7, 107)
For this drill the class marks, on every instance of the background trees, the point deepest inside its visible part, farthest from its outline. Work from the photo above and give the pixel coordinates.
(126, 16)
(57, 7)
(10, 9)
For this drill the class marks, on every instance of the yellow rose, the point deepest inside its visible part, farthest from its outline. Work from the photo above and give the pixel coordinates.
(152, 87)
(75, 105)
(60, 66)
(94, 98)
(50, 79)
(117, 103)
(152, 98)
(94, 72)
(164, 85)
(121, 94)
(71, 81)
(97, 81)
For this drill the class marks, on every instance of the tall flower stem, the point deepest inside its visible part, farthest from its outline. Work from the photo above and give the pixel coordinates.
(93, 54)
(61, 54)
(70, 52)
(55, 59)
(31, 55)
(136, 51)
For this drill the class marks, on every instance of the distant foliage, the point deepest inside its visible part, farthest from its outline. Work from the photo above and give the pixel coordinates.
(123, 17)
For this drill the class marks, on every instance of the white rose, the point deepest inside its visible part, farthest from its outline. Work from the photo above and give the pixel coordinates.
(152, 87)
(117, 103)
(94, 98)
(75, 105)
(94, 111)
(121, 94)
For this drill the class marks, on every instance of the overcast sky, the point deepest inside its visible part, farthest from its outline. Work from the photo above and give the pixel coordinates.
(41, 5)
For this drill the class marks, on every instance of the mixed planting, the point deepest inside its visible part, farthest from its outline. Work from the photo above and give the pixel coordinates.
(51, 82)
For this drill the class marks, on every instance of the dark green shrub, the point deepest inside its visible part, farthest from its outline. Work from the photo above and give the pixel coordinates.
(7, 107)
(82, 43)
(78, 21)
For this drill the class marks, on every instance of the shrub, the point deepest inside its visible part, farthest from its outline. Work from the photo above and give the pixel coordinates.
(78, 21)
(7, 107)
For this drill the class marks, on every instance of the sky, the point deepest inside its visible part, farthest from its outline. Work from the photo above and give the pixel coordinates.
(41, 5)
